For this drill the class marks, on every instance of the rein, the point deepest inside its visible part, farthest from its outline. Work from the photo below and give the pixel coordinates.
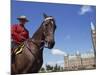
(42, 41)
(31, 50)
(33, 41)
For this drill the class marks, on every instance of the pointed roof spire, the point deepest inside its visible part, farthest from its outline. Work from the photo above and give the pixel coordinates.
(92, 26)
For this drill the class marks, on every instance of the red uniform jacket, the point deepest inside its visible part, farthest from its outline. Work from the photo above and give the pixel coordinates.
(19, 34)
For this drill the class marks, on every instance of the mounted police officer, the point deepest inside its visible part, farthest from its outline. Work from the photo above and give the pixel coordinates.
(18, 32)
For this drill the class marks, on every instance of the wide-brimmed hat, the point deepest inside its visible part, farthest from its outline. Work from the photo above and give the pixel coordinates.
(23, 18)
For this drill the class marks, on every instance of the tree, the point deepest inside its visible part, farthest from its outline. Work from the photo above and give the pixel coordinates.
(55, 68)
(42, 69)
(49, 68)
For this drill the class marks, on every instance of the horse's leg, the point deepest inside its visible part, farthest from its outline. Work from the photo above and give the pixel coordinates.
(30, 59)
(26, 69)
(13, 69)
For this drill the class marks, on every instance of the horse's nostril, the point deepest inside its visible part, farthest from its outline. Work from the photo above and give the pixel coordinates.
(52, 44)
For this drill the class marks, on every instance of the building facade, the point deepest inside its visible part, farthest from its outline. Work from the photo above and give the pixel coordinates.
(82, 61)
(79, 62)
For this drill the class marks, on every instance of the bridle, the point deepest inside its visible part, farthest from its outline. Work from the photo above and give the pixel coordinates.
(46, 19)
(44, 32)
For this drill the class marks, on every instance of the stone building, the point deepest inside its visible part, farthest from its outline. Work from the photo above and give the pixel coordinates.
(79, 61)
(82, 61)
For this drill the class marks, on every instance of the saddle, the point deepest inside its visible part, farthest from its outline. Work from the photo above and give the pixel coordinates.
(19, 49)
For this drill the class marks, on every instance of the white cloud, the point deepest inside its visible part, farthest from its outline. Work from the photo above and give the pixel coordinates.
(58, 52)
(85, 9)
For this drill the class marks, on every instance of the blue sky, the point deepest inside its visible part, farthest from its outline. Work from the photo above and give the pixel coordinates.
(73, 25)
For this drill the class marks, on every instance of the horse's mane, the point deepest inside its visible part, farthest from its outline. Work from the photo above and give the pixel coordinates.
(38, 31)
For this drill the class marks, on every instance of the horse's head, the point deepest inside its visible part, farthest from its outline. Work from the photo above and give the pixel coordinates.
(49, 27)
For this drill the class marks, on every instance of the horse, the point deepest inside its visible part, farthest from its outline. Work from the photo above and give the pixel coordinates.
(30, 59)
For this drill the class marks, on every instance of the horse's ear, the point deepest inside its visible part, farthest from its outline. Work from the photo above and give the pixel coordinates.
(45, 16)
